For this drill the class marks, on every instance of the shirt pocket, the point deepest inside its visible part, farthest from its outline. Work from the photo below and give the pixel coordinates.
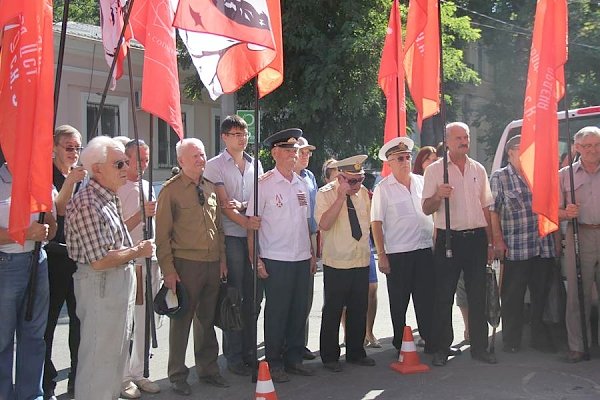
(401, 208)
(514, 201)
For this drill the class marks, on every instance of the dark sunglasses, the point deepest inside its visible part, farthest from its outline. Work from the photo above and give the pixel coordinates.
(72, 149)
(121, 164)
(201, 198)
(406, 157)
(354, 181)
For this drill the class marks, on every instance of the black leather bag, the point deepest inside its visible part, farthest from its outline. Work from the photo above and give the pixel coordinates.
(228, 314)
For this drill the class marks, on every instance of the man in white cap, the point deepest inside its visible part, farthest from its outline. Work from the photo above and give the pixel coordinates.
(403, 236)
(342, 211)
(301, 168)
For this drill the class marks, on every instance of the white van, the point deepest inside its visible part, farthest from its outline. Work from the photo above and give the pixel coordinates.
(578, 118)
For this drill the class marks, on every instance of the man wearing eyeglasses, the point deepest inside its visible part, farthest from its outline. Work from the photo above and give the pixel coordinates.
(285, 259)
(191, 250)
(403, 236)
(129, 194)
(98, 240)
(67, 178)
(232, 172)
(342, 211)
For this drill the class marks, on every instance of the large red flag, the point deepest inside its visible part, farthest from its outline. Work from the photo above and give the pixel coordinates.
(26, 101)
(152, 24)
(271, 77)
(391, 80)
(545, 87)
(422, 57)
(229, 45)
(111, 22)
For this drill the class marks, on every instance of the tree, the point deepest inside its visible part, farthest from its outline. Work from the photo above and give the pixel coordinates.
(85, 11)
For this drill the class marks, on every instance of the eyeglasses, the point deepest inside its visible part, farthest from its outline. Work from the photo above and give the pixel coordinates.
(588, 146)
(238, 135)
(121, 164)
(354, 181)
(406, 157)
(305, 153)
(200, 193)
(71, 149)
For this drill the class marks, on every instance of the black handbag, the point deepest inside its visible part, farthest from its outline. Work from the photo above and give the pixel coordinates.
(228, 313)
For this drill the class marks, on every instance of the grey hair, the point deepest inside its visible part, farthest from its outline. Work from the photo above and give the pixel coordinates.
(587, 131)
(462, 125)
(96, 150)
(65, 131)
(186, 142)
(122, 139)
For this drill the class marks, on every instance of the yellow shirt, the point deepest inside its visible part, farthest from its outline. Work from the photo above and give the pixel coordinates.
(340, 249)
(184, 228)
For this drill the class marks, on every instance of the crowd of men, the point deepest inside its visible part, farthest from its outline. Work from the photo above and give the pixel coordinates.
(205, 222)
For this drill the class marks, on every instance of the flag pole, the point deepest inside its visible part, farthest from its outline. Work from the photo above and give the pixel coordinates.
(254, 360)
(575, 223)
(150, 328)
(32, 284)
(448, 237)
(112, 67)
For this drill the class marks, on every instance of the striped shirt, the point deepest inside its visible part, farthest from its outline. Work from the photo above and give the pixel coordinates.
(513, 204)
(94, 224)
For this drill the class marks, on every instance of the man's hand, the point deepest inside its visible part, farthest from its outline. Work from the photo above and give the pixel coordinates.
(313, 265)
(383, 263)
(343, 188)
(253, 223)
(261, 270)
(37, 232)
(150, 208)
(223, 269)
(500, 249)
(170, 281)
(444, 191)
(490, 254)
(76, 174)
(145, 248)
(572, 211)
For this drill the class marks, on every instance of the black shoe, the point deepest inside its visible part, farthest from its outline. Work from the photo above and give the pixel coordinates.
(278, 375)
(215, 380)
(440, 359)
(181, 387)
(239, 369)
(308, 355)
(71, 387)
(485, 357)
(510, 349)
(333, 366)
(363, 362)
(299, 369)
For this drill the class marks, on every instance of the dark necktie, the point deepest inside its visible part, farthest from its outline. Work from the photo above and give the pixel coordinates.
(354, 224)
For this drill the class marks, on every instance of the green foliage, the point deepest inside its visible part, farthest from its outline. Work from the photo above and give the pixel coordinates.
(85, 11)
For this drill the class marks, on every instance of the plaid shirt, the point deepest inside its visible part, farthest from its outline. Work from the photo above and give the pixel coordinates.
(94, 224)
(513, 204)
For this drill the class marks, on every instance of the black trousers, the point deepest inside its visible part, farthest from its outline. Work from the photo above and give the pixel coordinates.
(411, 273)
(470, 256)
(60, 277)
(344, 288)
(518, 276)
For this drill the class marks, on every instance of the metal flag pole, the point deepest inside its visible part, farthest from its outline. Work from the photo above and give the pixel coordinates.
(33, 267)
(448, 236)
(150, 328)
(254, 360)
(575, 223)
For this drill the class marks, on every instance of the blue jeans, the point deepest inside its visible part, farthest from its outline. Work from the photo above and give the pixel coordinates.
(31, 348)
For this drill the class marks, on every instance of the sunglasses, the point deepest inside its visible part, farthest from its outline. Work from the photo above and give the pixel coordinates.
(406, 157)
(121, 164)
(71, 149)
(201, 198)
(354, 181)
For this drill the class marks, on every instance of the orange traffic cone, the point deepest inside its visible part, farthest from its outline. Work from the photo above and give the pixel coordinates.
(408, 360)
(264, 386)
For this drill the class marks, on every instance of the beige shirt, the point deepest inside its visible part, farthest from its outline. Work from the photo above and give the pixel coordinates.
(184, 228)
(340, 249)
(470, 195)
(587, 192)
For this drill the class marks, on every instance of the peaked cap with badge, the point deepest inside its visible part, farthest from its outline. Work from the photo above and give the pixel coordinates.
(351, 165)
(287, 139)
(400, 144)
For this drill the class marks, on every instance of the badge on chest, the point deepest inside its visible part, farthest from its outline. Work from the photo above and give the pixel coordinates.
(302, 201)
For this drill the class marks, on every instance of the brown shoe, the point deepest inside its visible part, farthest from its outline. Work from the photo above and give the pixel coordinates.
(574, 356)
(278, 375)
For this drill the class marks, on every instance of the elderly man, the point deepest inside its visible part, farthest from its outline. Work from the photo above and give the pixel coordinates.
(98, 240)
(342, 211)
(286, 259)
(586, 176)
(403, 237)
(191, 250)
(67, 178)
(232, 172)
(468, 191)
(129, 194)
(528, 258)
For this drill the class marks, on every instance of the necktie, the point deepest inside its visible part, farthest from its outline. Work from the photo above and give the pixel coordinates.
(354, 224)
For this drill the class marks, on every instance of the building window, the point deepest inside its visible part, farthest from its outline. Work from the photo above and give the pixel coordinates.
(110, 120)
(167, 139)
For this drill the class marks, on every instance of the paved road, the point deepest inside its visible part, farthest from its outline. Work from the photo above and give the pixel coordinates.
(525, 375)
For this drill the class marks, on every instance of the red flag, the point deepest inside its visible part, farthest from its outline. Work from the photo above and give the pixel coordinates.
(152, 23)
(422, 57)
(545, 87)
(228, 45)
(391, 80)
(271, 77)
(26, 101)
(111, 22)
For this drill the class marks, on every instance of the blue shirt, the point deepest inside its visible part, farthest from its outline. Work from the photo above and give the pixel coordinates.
(513, 204)
(309, 178)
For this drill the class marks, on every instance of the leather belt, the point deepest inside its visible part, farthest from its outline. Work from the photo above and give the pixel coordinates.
(589, 226)
(464, 233)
